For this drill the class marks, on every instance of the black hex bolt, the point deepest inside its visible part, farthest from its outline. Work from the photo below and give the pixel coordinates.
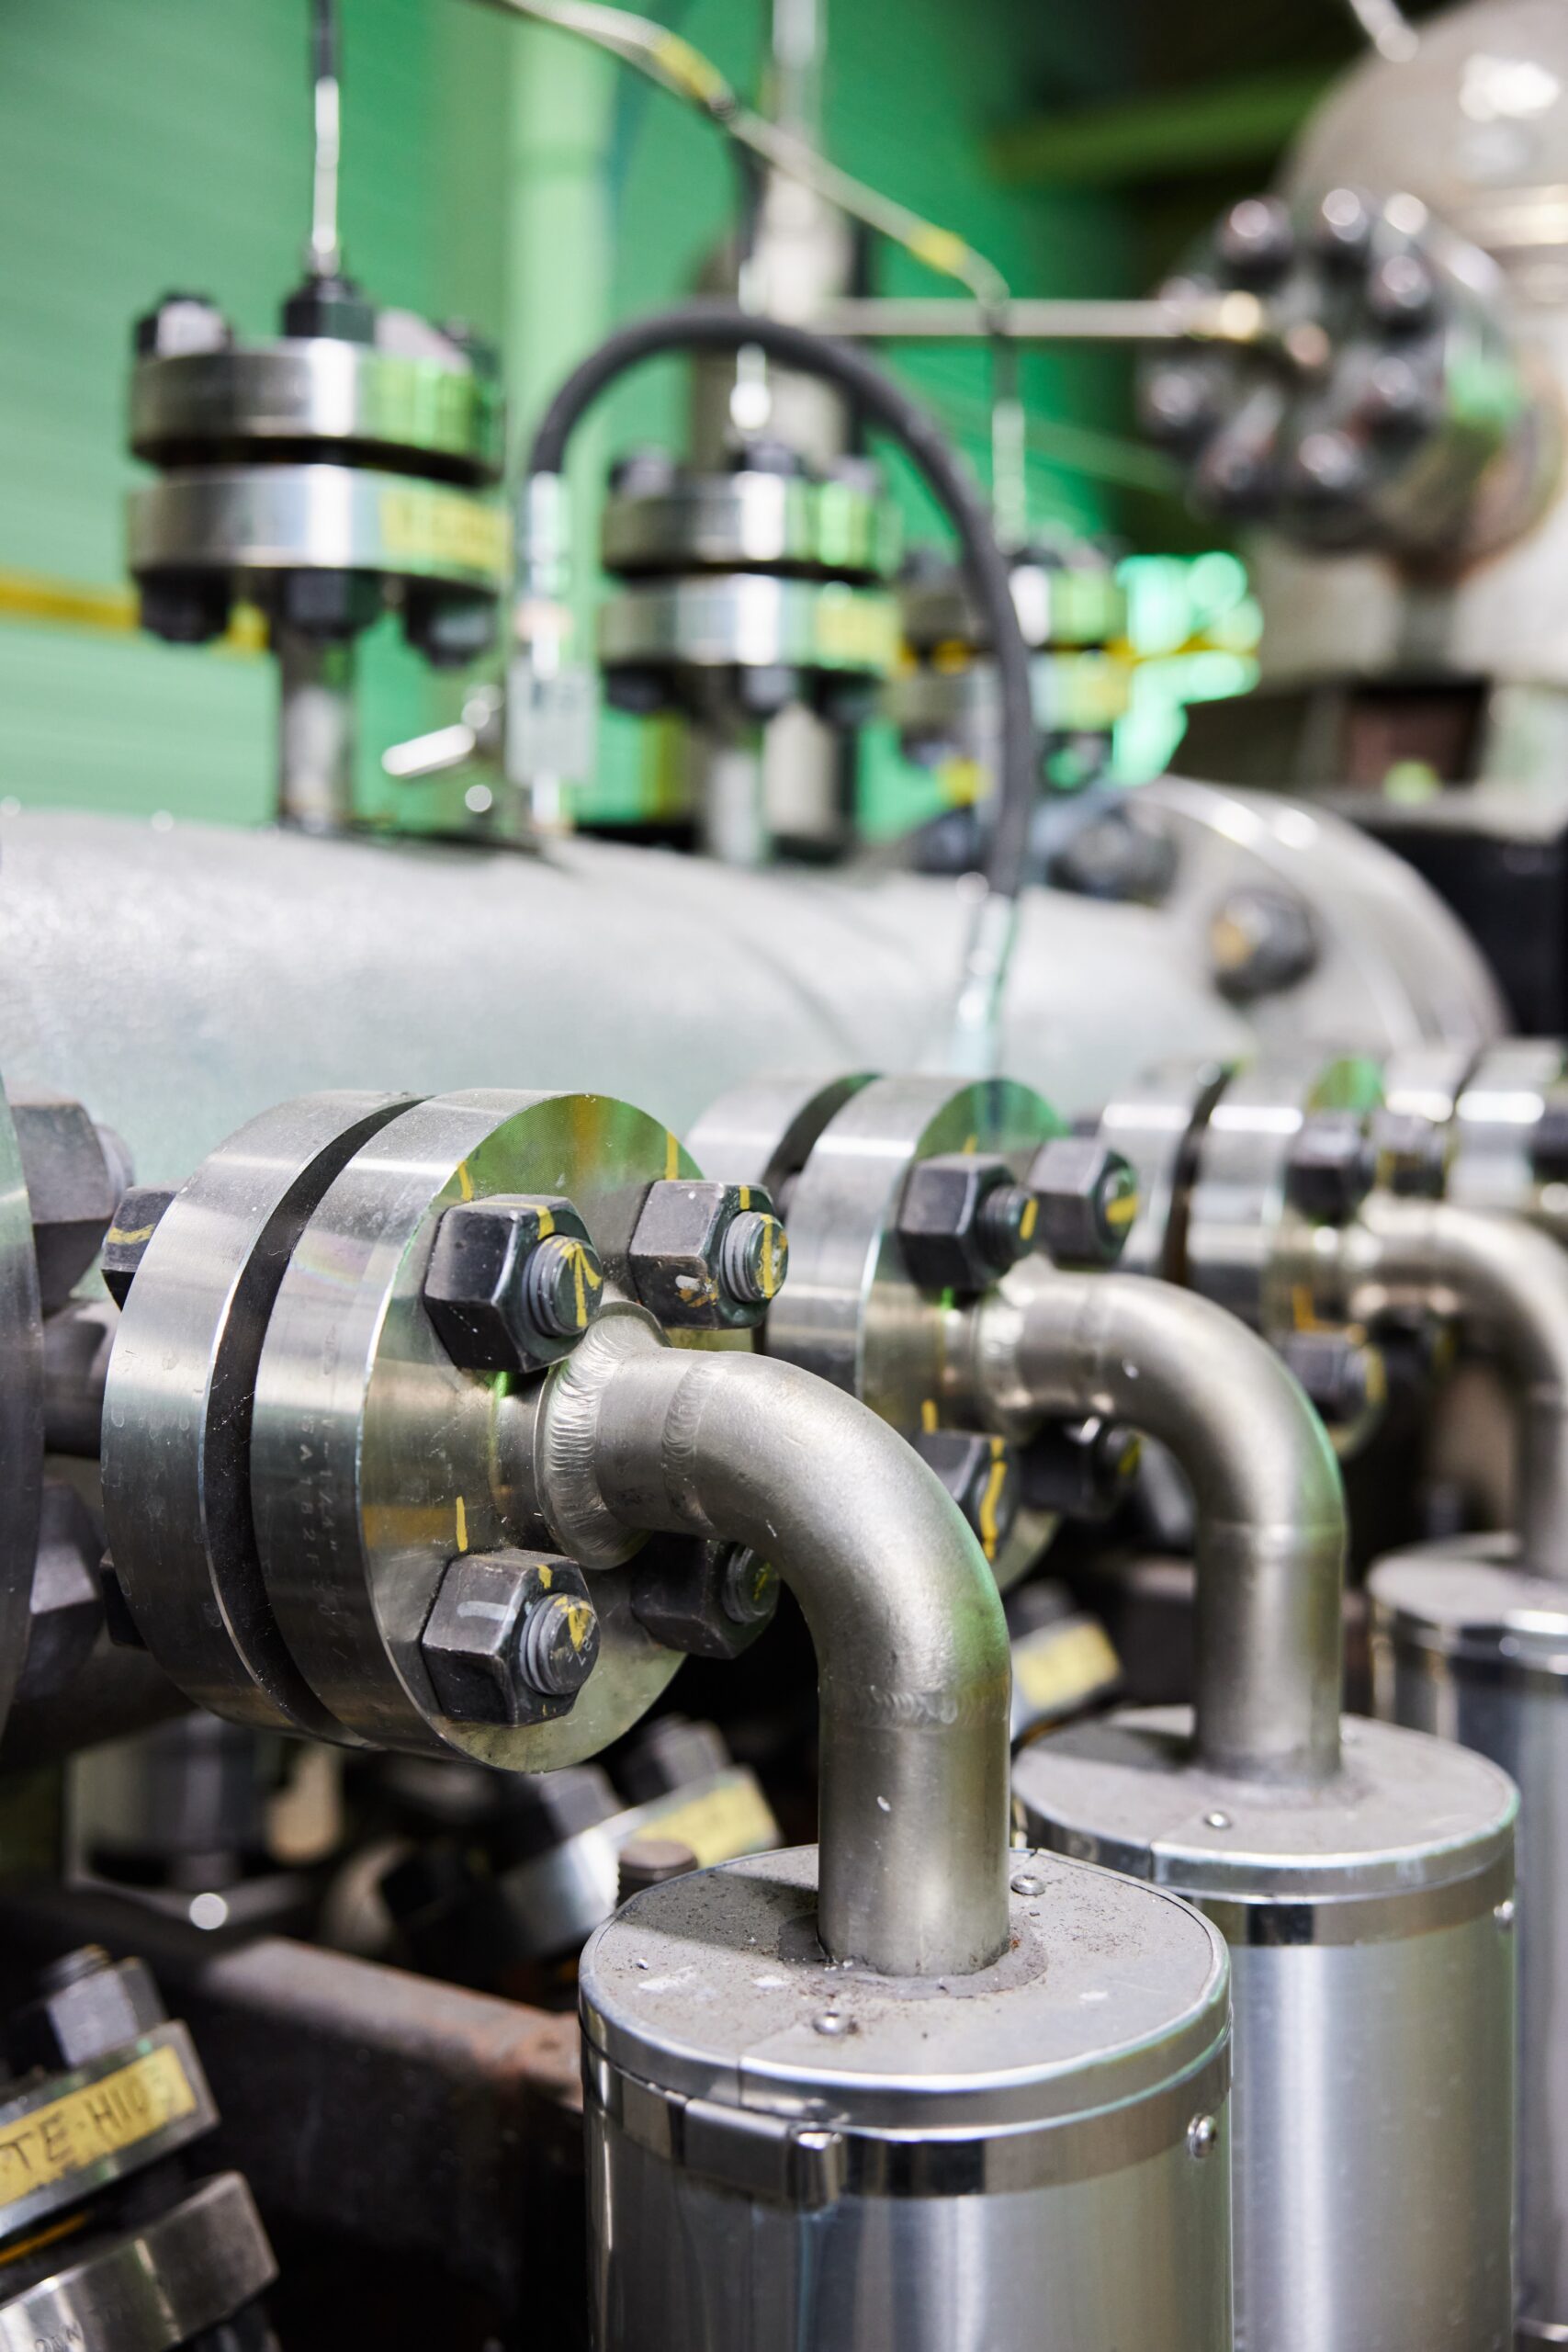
(963, 1220)
(511, 1638)
(125, 1244)
(1081, 1469)
(1411, 1153)
(1332, 1166)
(707, 1257)
(705, 1599)
(979, 1474)
(1257, 238)
(1260, 942)
(1342, 1376)
(1089, 1200)
(514, 1281)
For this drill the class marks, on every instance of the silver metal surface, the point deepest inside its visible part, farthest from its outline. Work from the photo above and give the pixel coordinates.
(21, 1407)
(765, 1132)
(374, 1460)
(1494, 1121)
(1465, 1646)
(1508, 1283)
(155, 2287)
(1271, 1513)
(733, 522)
(1157, 1123)
(1372, 1990)
(315, 730)
(903, 1611)
(941, 318)
(245, 519)
(364, 403)
(785, 2152)
(180, 982)
(176, 1421)
(750, 620)
(1394, 967)
(145, 2122)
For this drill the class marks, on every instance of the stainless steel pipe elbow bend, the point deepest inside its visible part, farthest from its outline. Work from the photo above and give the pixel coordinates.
(1271, 1510)
(1510, 1279)
(912, 1644)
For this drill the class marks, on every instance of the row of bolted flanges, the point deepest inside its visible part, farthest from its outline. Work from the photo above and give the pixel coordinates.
(513, 1283)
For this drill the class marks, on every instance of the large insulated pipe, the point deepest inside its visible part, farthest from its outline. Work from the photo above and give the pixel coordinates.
(1511, 1281)
(912, 1644)
(1271, 1512)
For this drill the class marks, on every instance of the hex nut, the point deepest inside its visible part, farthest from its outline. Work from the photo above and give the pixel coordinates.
(76, 1175)
(511, 1638)
(1411, 1153)
(512, 1282)
(707, 1257)
(1081, 1469)
(180, 326)
(1089, 1200)
(963, 1220)
(131, 1229)
(1342, 1376)
(66, 1607)
(980, 1475)
(1332, 1167)
(1261, 942)
(705, 1600)
(86, 2005)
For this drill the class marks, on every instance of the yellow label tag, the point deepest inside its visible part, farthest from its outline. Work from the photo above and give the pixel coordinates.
(441, 527)
(1063, 1665)
(85, 2126)
(721, 1823)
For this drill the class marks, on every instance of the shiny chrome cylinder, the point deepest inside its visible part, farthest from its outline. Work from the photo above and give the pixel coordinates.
(1466, 1645)
(782, 2153)
(1369, 1921)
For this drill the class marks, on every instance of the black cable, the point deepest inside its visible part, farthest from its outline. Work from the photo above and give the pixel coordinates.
(721, 326)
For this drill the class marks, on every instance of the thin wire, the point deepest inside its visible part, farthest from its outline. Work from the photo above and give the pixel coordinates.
(1387, 27)
(324, 255)
(672, 63)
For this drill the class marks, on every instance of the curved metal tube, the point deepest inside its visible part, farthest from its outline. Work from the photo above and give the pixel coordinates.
(1271, 1544)
(1513, 1280)
(912, 1644)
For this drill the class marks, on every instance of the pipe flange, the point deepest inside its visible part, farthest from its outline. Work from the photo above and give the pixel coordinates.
(850, 1310)
(177, 1410)
(21, 1410)
(375, 1460)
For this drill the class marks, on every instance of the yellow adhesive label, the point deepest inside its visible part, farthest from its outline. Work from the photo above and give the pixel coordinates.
(1062, 1665)
(441, 527)
(723, 1822)
(74, 2133)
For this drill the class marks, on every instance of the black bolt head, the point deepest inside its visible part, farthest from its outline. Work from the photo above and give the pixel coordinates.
(686, 1269)
(705, 1600)
(490, 1656)
(87, 2005)
(495, 1310)
(125, 1244)
(1343, 1376)
(1332, 1166)
(1081, 1469)
(1089, 1200)
(980, 1475)
(949, 1241)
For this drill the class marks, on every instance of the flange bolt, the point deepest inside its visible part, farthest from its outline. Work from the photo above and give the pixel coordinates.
(754, 1257)
(559, 1644)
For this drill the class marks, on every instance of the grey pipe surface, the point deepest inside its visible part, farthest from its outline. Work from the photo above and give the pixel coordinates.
(912, 1644)
(1510, 1281)
(1271, 1510)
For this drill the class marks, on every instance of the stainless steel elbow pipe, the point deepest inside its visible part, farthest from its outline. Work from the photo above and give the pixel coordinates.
(910, 1640)
(1270, 1511)
(1511, 1282)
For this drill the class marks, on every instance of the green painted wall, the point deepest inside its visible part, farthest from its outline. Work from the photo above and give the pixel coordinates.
(493, 171)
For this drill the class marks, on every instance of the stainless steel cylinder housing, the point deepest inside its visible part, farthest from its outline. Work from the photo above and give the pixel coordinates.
(1369, 1920)
(783, 2152)
(1467, 1646)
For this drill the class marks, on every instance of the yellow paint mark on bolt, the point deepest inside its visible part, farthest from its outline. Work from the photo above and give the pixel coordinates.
(465, 1182)
(929, 1416)
(462, 1525)
(1030, 1218)
(991, 1498)
(128, 1233)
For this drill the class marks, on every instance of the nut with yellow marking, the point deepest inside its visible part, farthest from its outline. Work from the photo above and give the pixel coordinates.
(125, 1244)
(514, 1281)
(707, 1257)
(963, 1221)
(1088, 1200)
(511, 1637)
(978, 1472)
